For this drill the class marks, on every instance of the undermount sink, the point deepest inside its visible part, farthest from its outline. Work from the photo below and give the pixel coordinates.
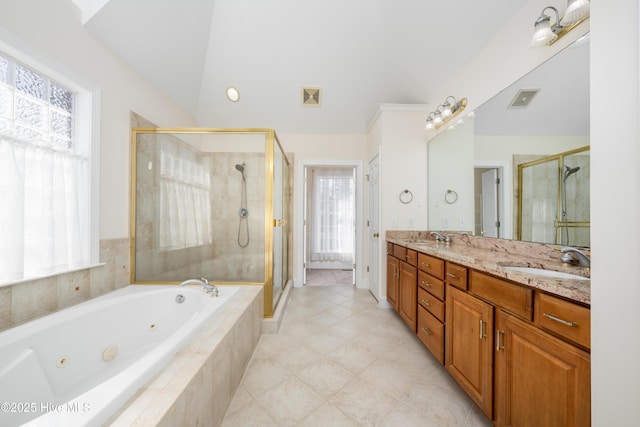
(546, 273)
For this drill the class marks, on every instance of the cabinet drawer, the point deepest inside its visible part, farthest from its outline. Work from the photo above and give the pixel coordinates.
(456, 275)
(399, 252)
(569, 320)
(431, 333)
(431, 284)
(514, 298)
(412, 257)
(431, 303)
(431, 265)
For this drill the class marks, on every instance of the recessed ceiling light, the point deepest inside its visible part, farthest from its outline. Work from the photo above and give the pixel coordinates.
(232, 94)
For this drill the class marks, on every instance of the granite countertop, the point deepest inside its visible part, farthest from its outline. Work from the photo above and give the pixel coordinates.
(494, 258)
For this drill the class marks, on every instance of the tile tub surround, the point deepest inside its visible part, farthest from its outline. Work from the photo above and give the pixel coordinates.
(201, 379)
(491, 255)
(29, 300)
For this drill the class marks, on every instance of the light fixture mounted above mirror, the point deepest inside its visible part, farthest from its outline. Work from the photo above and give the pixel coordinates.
(445, 112)
(545, 34)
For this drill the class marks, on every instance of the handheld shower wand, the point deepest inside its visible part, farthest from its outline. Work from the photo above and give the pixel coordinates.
(243, 212)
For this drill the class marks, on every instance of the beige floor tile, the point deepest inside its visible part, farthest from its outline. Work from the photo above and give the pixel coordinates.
(363, 402)
(262, 375)
(325, 376)
(405, 415)
(250, 414)
(291, 402)
(328, 416)
(341, 360)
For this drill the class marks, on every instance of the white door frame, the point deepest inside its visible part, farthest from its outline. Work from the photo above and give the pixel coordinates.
(505, 198)
(298, 242)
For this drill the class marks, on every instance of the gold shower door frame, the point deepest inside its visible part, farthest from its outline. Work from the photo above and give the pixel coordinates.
(559, 224)
(271, 144)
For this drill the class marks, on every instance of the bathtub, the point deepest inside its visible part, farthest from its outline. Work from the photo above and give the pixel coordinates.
(79, 366)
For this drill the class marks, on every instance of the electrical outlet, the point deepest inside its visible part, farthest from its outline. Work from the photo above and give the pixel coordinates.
(445, 222)
(394, 222)
(461, 222)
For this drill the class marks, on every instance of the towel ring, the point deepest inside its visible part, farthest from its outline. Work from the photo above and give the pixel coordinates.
(451, 197)
(406, 197)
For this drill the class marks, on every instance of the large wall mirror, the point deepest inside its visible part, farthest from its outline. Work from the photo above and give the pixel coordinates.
(517, 167)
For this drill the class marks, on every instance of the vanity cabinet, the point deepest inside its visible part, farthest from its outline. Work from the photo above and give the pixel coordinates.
(393, 277)
(522, 355)
(540, 379)
(538, 374)
(431, 306)
(407, 294)
(402, 282)
(469, 346)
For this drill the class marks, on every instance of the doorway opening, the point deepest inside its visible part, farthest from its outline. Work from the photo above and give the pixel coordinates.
(492, 206)
(329, 225)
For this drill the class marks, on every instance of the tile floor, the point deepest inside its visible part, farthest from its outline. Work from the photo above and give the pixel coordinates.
(340, 360)
(329, 277)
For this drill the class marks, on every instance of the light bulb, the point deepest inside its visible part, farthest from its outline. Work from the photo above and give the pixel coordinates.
(542, 33)
(446, 111)
(577, 10)
(429, 123)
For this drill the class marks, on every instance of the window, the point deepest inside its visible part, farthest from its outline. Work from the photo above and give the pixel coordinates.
(333, 215)
(185, 197)
(45, 172)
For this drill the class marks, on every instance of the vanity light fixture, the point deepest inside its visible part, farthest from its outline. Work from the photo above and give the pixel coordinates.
(233, 94)
(445, 112)
(546, 34)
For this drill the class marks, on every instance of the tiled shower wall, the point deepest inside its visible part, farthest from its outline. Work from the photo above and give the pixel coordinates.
(36, 298)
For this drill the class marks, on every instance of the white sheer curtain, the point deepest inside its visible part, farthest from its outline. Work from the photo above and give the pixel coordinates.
(43, 214)
(185, 198)
(332, 214)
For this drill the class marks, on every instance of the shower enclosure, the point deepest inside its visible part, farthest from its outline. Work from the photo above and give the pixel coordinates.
(210, 203)
(553, 202)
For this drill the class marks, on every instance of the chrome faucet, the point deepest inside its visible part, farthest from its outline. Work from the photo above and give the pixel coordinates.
(211, 289)
(440, 238)
(572, 256)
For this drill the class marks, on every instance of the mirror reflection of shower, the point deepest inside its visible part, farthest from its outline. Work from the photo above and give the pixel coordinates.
(566, 173)
(243, 212)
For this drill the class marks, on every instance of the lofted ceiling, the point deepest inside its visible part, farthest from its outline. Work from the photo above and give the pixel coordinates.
(360, 52)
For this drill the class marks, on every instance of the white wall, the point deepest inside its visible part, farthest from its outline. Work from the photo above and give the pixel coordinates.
(397, 136)
(451, 162)
(53, 27)
(615, 213)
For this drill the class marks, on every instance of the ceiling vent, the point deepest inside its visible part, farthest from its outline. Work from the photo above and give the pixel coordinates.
(311, 96)
(523, 98)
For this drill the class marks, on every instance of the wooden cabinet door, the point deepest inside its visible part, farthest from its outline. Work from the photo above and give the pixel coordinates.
(541, 381)
(408, 294)
(393, 273)
(469, 346)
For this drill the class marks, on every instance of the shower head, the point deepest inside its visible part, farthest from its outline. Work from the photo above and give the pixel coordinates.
(240, 168)
(568, 171)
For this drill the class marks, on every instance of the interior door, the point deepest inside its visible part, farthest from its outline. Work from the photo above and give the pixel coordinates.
(305, 227)
(373, 226)
(490, 216)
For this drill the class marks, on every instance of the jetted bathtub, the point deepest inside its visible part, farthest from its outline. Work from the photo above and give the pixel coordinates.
(78, 366)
